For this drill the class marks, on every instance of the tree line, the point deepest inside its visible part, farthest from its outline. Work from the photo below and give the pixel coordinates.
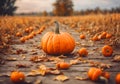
(60, 8)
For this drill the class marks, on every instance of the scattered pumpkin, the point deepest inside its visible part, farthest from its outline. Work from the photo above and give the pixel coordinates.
(57, 43)
(108, 35)
(106, 75)
(102, 35)
(95, 38)
(82, 36)
(27, 30)
(17, 77)
(83, 52)
(117, 78)
(22, 39)
(62, 65)
(95, 74)
(107, 50)
(18, 34)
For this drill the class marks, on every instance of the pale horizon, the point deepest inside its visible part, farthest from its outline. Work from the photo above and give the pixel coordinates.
(26, 6)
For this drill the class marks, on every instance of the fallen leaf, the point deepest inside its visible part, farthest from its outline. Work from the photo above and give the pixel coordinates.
(11, 59)
(42, 70)
(39, 58)
(38, 81)
(61, 78)
(21, 65)
(55, 71)
(55, 59)
(116, 58)
(73, 62)
(81, 78)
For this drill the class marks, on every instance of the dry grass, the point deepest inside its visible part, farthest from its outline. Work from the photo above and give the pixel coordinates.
(92, 24)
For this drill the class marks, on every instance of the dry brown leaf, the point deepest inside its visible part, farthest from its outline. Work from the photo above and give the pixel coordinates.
(39, 58)
(73, 62)
(100, 65)
(42, 70)
(116, 58)
(21, 65)
(33, 73)
(11, 59)
(81, 78)
(56, 59)
(61, 78)
(38, 81)
(55, 72)
(62, 56)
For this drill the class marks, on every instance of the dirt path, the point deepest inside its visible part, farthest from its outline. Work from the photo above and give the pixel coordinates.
(31, 48)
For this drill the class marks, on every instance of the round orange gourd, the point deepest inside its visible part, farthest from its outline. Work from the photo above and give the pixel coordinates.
(62, 65)
(103, 35)
(108, 36)
(95, 74)
(18, 34)
(82, 36)
(95, 38)
(107, 50)
(57, 43)
(22, 39)
(83, 52)
(17, 76)
(106, 75)
(117, 78)
(27, 30)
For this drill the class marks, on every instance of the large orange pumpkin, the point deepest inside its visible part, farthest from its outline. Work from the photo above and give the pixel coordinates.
(17, 77)
(107, 50)
(57, 43)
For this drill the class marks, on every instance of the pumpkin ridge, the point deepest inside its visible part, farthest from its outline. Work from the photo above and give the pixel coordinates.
(98, 72)
(56, 44)
(64, 44)
(70, 43)
(44, 41)
(49, 44)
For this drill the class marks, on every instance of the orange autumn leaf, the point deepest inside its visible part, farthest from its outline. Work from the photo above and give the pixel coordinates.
(73, 62)
(61, 78)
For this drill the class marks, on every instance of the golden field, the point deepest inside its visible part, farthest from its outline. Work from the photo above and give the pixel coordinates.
(26, 26)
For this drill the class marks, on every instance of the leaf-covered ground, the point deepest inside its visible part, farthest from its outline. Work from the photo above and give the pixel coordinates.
(40, 68)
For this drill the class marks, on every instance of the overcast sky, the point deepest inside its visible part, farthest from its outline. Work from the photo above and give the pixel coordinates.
(41, 5)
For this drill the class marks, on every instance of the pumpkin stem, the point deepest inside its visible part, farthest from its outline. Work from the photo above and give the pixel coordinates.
(57, 28)
(101, 78)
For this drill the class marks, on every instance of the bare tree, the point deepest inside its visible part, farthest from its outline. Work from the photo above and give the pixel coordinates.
(63, 8)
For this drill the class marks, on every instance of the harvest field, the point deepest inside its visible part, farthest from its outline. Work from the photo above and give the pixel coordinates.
(21, 49)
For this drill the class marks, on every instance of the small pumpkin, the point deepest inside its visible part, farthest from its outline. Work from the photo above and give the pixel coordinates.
(106, 75)
(107, 50)
(82, 36)
(18, 34)
(17, 77)
(108, 35)
(62, 65)
(102, 35)
(27, 30)
(117, 78)
(22, 39)
(57, 43)
(83, 52)
(95, 38)
(95, 74)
